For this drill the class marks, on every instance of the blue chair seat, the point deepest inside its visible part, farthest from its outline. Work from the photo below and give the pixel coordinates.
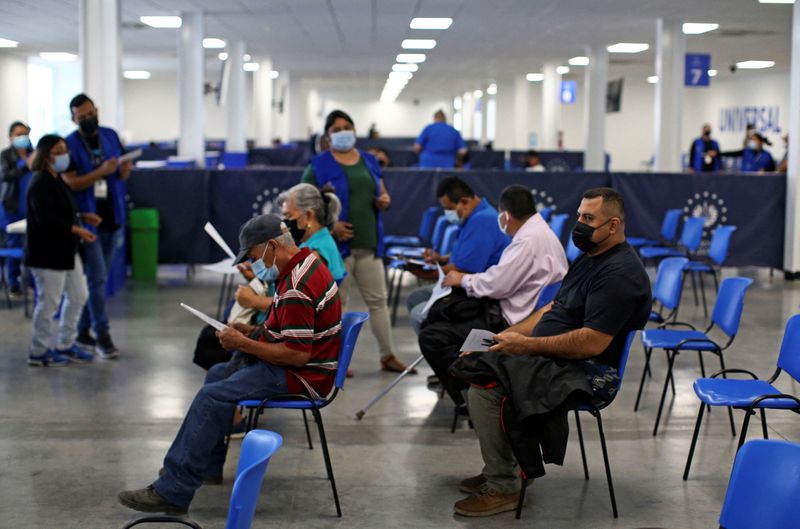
(405, 251)
(290, 404)
(738, 393)
(402, 240)
(654, 252)
(12, 253)
(669, 339)
(641, 241)
(698, 266)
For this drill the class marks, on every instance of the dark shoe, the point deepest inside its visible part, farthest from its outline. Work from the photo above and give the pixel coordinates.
(76, 354)
(433, 380)
(49, 358)
(148, 500)
(486, 502)
(392, 364)
(86, 341)
(207, 480)
(472, 485)
(106, 348)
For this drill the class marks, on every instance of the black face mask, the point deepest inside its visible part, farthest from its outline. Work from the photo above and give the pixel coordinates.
(582, 236)
(89, 126)
(297, 232)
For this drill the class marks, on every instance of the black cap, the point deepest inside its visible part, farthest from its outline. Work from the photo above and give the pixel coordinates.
(256, 231)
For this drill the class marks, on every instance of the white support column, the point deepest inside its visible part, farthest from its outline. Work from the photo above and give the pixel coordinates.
(190, 88)
(262, 103)
(791, 251)
(670, 51)
(551, 107)
(236, 118)
(595, 84)
(101, 53)
(522, 98)
(468, 116)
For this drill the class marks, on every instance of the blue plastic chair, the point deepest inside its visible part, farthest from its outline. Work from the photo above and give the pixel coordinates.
(557, 224)
(439, 225)
(351, 326)
(669, 230)
(763, 491)
(727, 316)
(594, 410)
(666, 296)
(750, 395)
(572, 251)
(689, 244)
(546, 213)
(257, 449)
(18, 254)
(424, 235)
(711, 264)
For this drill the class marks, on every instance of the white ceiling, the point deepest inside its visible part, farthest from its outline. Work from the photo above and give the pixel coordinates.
(351, 44)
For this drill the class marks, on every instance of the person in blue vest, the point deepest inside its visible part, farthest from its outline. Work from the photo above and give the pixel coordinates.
(355, 177)
(439, 144)
(755, 158)
(704, 153)
(15, 170)
(98, 181)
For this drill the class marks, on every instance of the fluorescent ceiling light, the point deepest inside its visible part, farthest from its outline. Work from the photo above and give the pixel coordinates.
(697, 28)
(775, 1)
(213, 43)
(712, 73)
(161, 21)
(430, 23)
(628, 47)
(405, 67)
(250, 66)
(478, 93)
(246, 57)
(136, 74)
(579, 61)
(274, 74)
(492, 89)
(653, 79)
(400, 75)
(561, 70)
(410, 57)
(223, 56)
(7, 43)
(58, 56)
(754, 65)
(535, 77)
(418, 44)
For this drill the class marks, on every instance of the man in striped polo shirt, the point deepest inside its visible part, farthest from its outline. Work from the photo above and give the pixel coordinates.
(296, 351)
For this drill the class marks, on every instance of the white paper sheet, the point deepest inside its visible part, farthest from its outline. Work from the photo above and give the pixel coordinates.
(212, 231)
(256, 286)
(209, 320)
(439, 291)
(130, 156)
(478, 340)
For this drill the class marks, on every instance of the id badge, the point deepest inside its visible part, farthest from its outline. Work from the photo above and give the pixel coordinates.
(101, 189)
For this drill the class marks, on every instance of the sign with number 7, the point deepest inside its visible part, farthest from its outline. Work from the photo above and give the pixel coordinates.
(696, 69)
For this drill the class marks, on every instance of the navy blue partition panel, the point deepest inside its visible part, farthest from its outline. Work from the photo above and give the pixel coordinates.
(755, 204)
(282, 156)
(487, 159)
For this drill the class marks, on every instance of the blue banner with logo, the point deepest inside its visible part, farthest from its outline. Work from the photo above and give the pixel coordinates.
(696, 69)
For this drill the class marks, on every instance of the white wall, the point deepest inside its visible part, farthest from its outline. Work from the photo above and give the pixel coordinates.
(398, 119)
(14, 90)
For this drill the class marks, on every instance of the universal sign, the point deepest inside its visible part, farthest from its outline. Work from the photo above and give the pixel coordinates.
(735, 119)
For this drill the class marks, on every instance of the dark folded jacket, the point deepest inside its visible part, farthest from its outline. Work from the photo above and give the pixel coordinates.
(540, 391)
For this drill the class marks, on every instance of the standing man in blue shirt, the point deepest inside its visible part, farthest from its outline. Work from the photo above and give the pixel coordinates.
(98, 182)
(704, 154)
(439, 144)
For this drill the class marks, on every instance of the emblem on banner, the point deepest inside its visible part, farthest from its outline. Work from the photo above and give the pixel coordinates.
(557, 165)
(265, 202)
(710, 206)
(542, 200)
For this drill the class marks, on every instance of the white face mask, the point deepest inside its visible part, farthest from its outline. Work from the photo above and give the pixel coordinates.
(752, 144)
(343, 141)
(500, 222)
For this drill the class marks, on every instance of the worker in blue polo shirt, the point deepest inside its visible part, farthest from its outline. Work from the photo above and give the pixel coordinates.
(704, 154)
(439, 144)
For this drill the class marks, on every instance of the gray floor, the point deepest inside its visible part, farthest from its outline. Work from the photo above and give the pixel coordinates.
(71, 438)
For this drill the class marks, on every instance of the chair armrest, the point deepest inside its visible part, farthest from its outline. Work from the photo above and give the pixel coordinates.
(762, 398)
(161, 519)
(726, 371)
(676, 324)
(698, 340)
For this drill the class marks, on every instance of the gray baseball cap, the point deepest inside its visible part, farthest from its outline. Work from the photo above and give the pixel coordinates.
(256, 231)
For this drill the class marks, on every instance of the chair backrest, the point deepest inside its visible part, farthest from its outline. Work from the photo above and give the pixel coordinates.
(547, 295)
(351, 326)
(257, 448)
(572, 251)
(428, 221)
(669, 282)
(730, 302)
(546, 213)
(692, 234)
(720, 243)
(764, 488)
(669, 226)
(789, 358)
(449, 239)
(557, 224)
(438, 231)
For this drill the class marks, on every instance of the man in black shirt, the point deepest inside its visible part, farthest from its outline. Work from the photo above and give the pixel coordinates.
(604, 296)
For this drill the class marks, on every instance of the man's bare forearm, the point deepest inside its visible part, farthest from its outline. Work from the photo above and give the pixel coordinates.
(579, 344)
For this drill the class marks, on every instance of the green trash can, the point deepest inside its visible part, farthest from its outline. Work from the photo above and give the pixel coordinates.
(144, 243)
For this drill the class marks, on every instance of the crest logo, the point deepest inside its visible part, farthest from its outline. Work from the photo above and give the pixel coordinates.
(542, 200)
(712, 207)
(265, 202)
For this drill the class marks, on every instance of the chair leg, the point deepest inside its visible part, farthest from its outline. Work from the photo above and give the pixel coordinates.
(702, 364)
(583, 449)
(670, 361)
(694, 441)
(764, 423)
(745, 424)
(396, 300)
(703, 294)
(716, 281)
(647, 352)
(694, 289)
(521, 499)
(308, 431)
(730, 410)
(327, 456)
(455, 420)
(608, 465)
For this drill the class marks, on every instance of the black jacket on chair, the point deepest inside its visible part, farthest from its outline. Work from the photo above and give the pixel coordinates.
(52, 211)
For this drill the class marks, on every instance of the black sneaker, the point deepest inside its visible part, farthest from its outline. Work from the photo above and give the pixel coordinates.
(86, 341)
(106, 348)
(148, 500)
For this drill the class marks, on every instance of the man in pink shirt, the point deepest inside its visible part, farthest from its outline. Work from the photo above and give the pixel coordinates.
(534, 259)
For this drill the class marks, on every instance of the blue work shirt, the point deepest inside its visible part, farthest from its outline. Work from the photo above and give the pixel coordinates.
(440, 142)
(757, 161)
(480, 242)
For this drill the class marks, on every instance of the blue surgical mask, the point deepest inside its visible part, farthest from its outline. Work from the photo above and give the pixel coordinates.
(752, 144)
(343, 140)
(62, 163)
(21, 142)
(452, 216)
(262, 271)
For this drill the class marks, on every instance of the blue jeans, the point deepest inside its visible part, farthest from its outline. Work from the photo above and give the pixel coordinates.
(97, 259)
(199, 448)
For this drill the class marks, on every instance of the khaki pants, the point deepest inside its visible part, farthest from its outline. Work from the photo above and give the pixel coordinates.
(367, 271)
(499, 467)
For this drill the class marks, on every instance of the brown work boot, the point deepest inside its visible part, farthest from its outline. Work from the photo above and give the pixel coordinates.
(148, 500)
(486, 502)
(472, 485)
